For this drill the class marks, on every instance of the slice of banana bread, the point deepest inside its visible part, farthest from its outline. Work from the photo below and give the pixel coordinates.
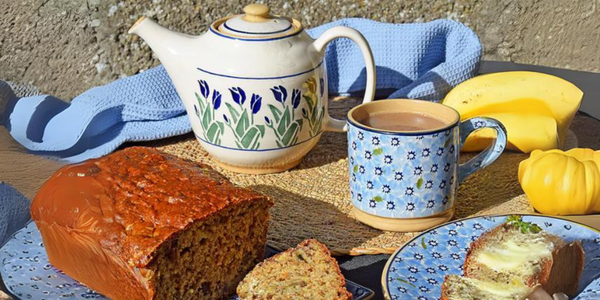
(305, 272)
(142, 224)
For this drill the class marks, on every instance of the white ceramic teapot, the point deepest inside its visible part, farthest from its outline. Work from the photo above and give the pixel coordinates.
(254, 86)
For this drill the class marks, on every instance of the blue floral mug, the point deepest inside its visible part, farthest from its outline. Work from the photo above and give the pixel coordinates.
(408, 180)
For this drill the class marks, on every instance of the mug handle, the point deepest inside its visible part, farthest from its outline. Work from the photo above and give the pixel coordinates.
(320, 44)
(487, 156)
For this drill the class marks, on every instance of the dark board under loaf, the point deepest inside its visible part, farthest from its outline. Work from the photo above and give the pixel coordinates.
(142, 224)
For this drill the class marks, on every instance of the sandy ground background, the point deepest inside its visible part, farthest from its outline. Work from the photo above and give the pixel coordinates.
(65, 47)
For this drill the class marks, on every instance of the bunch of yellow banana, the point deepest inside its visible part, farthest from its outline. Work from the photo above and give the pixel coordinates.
(536, 108)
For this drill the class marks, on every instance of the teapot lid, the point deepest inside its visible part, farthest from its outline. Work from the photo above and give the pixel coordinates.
(258, 23)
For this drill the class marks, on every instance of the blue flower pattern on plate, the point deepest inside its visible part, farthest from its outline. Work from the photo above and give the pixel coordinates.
(428, 258)
(28, 275)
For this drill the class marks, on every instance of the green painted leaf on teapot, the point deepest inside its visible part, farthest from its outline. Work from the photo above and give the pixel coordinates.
(206, 118)
(251, 138)
(213, 132)
(309, 101)
(242, 124)
(285, 121)
(235, 115)
(276, 112)
(291, 132)
(261, 129)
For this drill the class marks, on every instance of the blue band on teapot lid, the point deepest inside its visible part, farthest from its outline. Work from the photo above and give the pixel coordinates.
(257, 23)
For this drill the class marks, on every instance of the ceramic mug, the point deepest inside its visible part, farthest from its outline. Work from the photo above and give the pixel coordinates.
(407, 180)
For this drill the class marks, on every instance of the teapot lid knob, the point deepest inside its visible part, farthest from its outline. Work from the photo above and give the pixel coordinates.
(257, 13)
(257, 23)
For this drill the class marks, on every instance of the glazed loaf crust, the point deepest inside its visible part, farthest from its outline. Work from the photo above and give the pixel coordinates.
(103, 221)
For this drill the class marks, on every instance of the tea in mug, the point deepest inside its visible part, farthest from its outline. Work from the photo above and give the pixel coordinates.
(403, 121)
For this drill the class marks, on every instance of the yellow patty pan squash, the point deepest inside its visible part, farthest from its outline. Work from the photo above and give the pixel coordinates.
(562, 183)
(535, 108)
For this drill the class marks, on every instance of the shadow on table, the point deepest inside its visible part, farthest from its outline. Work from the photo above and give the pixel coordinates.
(492, 186)
(296, 217)
(332, 146)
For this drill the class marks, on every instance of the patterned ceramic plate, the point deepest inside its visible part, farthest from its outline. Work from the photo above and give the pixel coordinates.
(417, 270)
(28, 275)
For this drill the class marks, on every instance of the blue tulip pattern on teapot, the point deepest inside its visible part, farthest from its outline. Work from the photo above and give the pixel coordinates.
(285, 118)
(205, 110)
(283, 124)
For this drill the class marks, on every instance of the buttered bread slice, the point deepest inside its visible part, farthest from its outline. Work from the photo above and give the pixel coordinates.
(456, 287)
(511, 260)
(521, 251)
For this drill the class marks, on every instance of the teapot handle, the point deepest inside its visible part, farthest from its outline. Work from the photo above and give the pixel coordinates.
(320, 44)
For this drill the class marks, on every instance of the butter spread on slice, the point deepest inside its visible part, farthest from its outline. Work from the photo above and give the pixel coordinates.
(509, 255)
(505, 290)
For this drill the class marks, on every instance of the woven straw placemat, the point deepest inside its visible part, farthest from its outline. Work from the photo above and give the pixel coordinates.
(313, 199)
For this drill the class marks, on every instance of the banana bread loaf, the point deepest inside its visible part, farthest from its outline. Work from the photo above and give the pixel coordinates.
(141, 224)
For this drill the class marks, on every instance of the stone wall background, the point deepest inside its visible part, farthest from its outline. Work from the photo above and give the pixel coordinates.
(65, 47)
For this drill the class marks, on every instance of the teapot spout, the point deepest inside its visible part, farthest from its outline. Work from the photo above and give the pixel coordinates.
(165, 43)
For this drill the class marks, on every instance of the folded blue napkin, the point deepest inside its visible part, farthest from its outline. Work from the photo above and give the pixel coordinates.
(421, 61)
